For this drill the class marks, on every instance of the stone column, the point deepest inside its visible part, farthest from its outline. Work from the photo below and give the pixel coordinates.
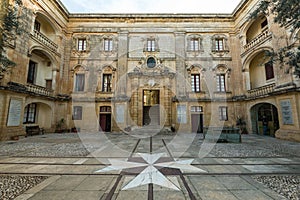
(180, 63)
(122, 62)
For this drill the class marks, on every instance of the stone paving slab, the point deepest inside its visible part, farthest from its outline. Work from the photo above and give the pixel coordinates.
(228, 166)
(197, 161)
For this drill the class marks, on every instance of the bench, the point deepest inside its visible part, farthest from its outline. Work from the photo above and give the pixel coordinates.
(227, 134)
(34, 130)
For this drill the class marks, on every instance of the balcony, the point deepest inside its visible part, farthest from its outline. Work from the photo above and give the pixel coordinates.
(257, 40)
(261, 91)
(41, 38)
(39, 90)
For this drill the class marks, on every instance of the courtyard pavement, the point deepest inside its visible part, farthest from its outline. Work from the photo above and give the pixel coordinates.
(183, 166)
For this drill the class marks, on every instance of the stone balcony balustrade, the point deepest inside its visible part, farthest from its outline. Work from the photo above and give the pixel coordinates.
(261, 91)
(41, 38)
(39, 90)
(257, 40)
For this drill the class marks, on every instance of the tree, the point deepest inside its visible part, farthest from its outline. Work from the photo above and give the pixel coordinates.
(9, 25)
(287, 14)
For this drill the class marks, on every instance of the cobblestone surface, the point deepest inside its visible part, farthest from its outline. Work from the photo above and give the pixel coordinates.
(252, 146)
(241, 150)
(13, 186)
(288, 186)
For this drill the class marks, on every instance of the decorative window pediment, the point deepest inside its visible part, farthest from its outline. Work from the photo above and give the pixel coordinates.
(106, 78)
(194, 43)
(81, 43)
(220, 44)
(79, 74)
(222, 74)
(151, 44)
(108, 44)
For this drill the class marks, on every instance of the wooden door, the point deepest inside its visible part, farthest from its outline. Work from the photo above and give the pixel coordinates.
(197, 123)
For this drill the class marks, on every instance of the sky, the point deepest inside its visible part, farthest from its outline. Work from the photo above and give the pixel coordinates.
(148, 6)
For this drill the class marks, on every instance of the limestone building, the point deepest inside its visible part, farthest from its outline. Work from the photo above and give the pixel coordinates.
(118, 72)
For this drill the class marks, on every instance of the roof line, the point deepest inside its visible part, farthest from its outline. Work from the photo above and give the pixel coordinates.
(153, 15)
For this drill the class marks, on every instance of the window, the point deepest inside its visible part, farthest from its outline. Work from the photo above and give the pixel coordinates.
(264, 24)
(108, 44)
(196, 109)
(221, 83)
(49, 84)
(31, 72)
(106, 109)
(79, 82)
(151, 62)
(181, 114)
(195, 82)
(30, 113)
(107, 84)
(77, 113)
(223, 116)
(81, 45)
(219, 44)
(150, 45)
(194, 44)
(269, 71)
(37, 26)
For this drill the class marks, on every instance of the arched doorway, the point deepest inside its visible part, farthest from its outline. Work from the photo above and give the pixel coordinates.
(264, 119)
(38, 113)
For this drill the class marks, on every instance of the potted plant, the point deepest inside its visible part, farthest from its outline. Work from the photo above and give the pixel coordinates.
(241, 123)
(60, 125)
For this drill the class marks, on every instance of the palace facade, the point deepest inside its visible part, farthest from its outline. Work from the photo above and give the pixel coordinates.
(118, 72)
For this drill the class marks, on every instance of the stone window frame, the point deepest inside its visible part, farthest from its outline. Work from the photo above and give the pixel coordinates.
(221, 82)
(76, 39)
(32, 72)
(81, 44)
(153, 40)
(195, 88)
(223, 70)
(224, 39)
(77, 113)
(194, 37)
(79, 69)
(223, 113)
(107, 85)
(106, 70)
(196, 69)
(113, 48)
(269, 71)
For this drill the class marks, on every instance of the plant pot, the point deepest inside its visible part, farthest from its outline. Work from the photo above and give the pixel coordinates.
(16, 137)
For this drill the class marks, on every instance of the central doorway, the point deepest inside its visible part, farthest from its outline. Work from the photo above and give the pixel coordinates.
(105, 119)
(151, 109)
(197, 119)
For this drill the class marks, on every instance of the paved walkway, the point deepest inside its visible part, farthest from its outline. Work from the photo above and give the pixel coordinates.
(158, 167)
